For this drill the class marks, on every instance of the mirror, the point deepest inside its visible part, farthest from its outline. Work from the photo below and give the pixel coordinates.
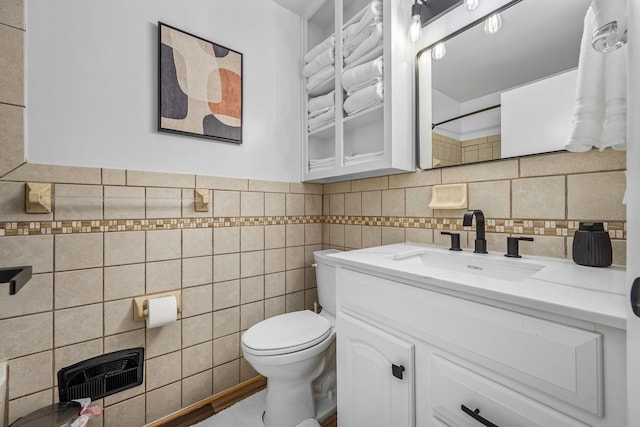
(501, 95)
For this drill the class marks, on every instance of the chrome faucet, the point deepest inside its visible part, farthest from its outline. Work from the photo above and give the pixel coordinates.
(467, 220)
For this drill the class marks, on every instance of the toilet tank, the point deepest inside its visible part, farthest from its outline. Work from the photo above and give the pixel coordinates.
(326, 279)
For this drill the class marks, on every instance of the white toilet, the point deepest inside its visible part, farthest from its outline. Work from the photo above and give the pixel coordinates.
(296, 352)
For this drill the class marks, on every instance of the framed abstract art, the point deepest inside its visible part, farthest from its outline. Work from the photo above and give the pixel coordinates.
(199, 86)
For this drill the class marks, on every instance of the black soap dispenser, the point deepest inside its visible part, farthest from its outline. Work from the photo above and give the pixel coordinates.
(592, 245)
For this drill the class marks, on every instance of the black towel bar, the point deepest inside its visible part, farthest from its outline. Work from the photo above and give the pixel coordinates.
(16, 277)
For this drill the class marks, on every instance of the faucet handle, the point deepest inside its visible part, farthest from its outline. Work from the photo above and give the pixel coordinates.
(455, 240)
(512, 246)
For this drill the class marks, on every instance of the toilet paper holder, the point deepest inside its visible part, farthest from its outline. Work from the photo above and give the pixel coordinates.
(140, 303)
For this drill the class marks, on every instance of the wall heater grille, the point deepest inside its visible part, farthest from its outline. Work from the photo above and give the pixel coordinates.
(102, 375)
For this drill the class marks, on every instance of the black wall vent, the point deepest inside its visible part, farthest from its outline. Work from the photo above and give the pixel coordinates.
(102, 375)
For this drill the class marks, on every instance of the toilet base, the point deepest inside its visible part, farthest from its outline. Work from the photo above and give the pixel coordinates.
(326, 405)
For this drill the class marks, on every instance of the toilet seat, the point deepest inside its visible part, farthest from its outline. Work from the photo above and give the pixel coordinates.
(286, 333)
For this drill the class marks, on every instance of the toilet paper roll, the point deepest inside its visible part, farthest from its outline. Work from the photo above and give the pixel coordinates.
(161, 311)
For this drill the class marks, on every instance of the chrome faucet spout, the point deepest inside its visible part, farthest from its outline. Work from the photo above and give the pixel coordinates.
(467, 220)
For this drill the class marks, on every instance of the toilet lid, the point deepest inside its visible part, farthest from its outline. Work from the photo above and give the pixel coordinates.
(287, 333)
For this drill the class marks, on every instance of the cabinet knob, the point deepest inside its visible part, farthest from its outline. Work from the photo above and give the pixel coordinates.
(397, 371)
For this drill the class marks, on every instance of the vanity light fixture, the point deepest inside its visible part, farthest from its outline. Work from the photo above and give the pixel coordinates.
(415, 27)
(425, 11)
(471, 4)
(439, 51)
(493, 24)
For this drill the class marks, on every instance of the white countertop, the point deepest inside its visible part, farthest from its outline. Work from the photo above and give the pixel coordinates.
(561, 287)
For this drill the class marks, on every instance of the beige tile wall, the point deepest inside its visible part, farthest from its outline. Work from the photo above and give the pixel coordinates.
(115, 235)
(481, 149)
(12, 102)
(544, 196)
(445, 151)
(448, 151)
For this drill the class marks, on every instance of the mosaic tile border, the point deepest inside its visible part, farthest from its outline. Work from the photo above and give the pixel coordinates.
(38, 228)
(562, 228)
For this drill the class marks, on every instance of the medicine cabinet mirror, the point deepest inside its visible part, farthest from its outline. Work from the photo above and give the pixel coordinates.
(508, 94)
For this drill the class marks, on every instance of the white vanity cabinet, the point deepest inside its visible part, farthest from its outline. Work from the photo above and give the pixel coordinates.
(469, 362)
(344, 149)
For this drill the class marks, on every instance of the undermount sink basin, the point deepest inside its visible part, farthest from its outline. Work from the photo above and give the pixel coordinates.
(476, 264)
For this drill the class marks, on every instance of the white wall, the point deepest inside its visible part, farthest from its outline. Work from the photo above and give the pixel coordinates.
(482, 124)
(536, 118)
(476, 126)
(92, 86)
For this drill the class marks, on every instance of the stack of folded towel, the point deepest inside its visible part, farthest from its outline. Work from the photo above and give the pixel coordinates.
(319, 67)
(363, 64)
(326, 162)
(321, 111)
(319, 70)
(364, 86)
(362, 158)
(363, 36)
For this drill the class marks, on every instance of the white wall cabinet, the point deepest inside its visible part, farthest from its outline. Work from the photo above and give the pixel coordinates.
(474, 362)
(385, 128)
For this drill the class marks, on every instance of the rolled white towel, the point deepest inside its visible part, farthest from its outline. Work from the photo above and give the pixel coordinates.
(350, 45)
(316, 113)
(321, 61)
(364, 98)
(614, 134)
(588, 114)
(371, 13)
(321, 120)
(322, 101)
(320, 77)
(363, 85)
(370, 43)
(326, 44)
(362, 73)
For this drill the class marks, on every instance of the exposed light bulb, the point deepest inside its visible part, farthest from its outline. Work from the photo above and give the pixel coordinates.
(415, 27)
(471, 4)
(493, 24)
(439, 51)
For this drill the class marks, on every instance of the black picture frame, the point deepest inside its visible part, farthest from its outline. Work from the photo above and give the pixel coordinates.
(200, 86)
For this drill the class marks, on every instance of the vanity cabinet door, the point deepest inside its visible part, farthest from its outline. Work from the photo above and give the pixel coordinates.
(375, 376)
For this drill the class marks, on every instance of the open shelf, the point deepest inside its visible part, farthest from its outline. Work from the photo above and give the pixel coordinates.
(369, 115)
(324, 132)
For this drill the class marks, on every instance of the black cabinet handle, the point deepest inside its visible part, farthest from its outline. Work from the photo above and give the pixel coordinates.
(397, 371)
(476, 416)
